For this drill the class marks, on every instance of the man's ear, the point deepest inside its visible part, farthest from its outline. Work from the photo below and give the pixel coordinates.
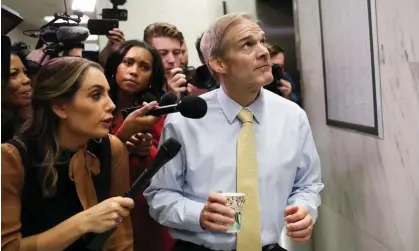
(217, 65)
(60, 109)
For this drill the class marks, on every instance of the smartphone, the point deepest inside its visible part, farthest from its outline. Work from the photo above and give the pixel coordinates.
(101, 26)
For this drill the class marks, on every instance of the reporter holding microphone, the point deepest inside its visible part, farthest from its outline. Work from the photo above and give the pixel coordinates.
(250, 166)
(135, 73)
(63, 175)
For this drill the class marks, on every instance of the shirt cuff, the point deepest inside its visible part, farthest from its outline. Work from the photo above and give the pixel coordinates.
(193, 211)
(312, 210)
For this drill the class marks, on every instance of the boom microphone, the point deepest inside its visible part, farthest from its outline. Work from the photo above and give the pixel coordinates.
(190, 107)
(167, 151)
(63, 34)
(72, 34)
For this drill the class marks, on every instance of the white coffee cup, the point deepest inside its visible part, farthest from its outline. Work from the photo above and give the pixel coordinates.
(236, 202)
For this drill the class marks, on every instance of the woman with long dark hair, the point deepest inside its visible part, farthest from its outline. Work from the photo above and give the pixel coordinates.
(136, 74)
(62, 174)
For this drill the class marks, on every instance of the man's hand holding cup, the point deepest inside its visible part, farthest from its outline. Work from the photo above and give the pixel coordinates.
(216, 215)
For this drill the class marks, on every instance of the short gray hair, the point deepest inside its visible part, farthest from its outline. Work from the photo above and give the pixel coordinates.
(213, 40)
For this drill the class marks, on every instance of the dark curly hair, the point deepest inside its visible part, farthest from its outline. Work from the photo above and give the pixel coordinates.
(21, 50)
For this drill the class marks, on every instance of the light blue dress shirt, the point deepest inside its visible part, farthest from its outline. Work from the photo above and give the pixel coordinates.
(289, 167)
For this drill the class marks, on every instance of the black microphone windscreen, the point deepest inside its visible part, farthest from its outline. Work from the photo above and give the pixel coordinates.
(168, 99)
(193, 107)
(72, 34)
(167, 151)
(172, 146)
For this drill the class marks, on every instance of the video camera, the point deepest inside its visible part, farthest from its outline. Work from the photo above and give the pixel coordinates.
(200, 77)
(115, 13)
(278, 75)
(110, 19)
(56, 36)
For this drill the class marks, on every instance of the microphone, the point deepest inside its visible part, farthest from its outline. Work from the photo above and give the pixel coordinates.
(72, 34)
(167, 151)
(190, 107)
(64, 34)
(168, 99)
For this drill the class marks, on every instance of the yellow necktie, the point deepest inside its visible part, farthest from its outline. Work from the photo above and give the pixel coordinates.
(249, 237)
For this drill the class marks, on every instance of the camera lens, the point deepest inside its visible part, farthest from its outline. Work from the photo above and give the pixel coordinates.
(204, 79)
(190, 73)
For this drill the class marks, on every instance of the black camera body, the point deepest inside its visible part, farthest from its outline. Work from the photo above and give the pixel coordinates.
(53, 31)
(278, 75)
(118, 14)
(115, 13)
(277, 71)
(200, 77)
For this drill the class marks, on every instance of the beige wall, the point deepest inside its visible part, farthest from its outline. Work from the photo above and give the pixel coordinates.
(192, 17)
(16, 35)
(371, 198)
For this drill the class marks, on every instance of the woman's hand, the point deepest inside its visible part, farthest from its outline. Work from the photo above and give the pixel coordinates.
(106, 215)
(137, 122)
(140, 144)
(115, 38)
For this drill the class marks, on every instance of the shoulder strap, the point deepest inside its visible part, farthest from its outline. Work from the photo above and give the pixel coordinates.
(102, 181)
(23, 151)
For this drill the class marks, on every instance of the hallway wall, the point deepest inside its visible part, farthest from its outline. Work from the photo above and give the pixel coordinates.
(191, 17)
(277, 22)
(371, 198)
(16, 35)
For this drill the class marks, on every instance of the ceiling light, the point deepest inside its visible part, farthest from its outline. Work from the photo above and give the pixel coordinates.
(92, 38)
(84, 5)
(91, 47)
(84, 19)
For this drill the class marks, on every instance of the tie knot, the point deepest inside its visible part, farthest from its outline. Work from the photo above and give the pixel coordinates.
(245, 116)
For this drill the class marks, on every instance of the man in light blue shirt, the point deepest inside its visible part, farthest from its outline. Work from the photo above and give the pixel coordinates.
(185, 194)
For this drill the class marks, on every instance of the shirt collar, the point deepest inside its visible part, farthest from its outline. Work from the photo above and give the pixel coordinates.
(231, 109)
